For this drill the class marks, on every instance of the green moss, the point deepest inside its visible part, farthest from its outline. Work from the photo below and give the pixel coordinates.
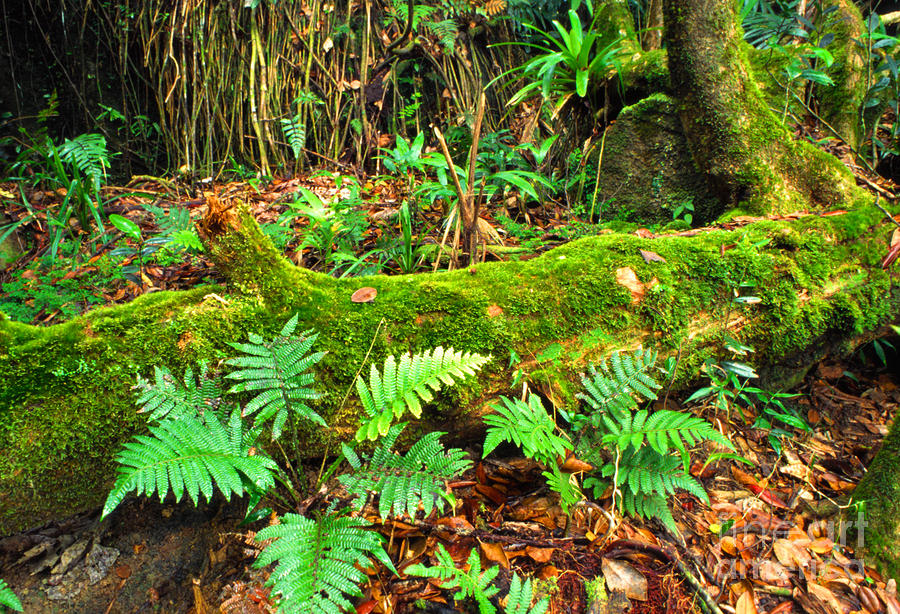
(65, 404)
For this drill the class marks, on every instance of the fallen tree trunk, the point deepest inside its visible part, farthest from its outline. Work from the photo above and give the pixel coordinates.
(66, 404)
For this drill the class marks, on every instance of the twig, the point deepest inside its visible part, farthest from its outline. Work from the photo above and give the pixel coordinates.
(886, 212)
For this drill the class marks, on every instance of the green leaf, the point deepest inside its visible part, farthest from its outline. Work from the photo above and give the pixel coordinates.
(126, 226)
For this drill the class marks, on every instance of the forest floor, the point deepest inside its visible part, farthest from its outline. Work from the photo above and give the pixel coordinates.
(769, 541)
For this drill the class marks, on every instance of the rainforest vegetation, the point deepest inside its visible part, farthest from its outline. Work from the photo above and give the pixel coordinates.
(342, 261)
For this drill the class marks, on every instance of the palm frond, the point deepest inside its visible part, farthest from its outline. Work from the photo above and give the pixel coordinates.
(319, 561)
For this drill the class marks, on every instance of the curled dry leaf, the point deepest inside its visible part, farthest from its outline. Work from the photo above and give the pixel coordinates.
(364, 295)
(773, 573)
(651, 256)
(622, 576)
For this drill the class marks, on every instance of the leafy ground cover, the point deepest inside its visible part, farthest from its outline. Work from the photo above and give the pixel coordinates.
(768, 541)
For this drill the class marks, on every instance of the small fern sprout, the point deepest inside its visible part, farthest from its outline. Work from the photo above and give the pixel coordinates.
(402, 385)
(472, 582)
(520, 597)
(277, 370)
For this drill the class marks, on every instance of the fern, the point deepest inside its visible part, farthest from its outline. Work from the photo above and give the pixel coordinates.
(295, 134)
(277, 368)
(401, 385)
(165, 395)
(191, 455)
(645, 505)
(520, 597)
(528, 426)
(87, 154)
(662, 430)
(8, 598)
(563, 484)
(319, 561)
(471, 583)
(619, 381)
(646, 472)
(405, 482)
(446, 30)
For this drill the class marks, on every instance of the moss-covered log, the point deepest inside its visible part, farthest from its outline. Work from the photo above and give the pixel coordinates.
(66, 403)
(880, 490)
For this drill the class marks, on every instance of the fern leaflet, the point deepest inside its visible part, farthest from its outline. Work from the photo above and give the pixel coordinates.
(165, 395)
(87, 154)
(295, 133)
(614, 387)
(520, 596)
(405, 482)
(471, 583)
(402, 384)
(319, 561)
(528, 426)
(277, 369)
(8, 598)
(191, 455)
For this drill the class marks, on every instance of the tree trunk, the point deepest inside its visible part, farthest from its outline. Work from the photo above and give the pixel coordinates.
(749, 157)
(880, 492)
(66, 404)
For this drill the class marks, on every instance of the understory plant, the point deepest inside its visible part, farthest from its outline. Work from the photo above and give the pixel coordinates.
(643, 456)
(203, 437)
(8, 598)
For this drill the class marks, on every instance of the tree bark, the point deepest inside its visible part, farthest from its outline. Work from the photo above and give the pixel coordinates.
(66, 404)
(749, 157)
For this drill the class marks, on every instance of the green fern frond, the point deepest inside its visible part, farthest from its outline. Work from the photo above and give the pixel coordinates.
(528, 426)
(621, 378)
(165, 396)
(446, 30)
(170, 221)
(518, 601)
(648, 506)
(401, 385)
(663, 430)
(87, 153)
(563, 484)
(276, 369)
(8, 598)
(189, 455)
(471, 583)
(405, 482)
(646, 471)
(319, 561)
(295, 134)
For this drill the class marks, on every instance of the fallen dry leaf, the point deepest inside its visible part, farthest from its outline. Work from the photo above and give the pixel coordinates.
(651, 256)
(364, 295)
(622, 576)
(494, 553)
(539, 555)
(746, 604)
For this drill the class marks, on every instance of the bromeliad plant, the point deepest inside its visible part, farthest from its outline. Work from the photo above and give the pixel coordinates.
(201, 440)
